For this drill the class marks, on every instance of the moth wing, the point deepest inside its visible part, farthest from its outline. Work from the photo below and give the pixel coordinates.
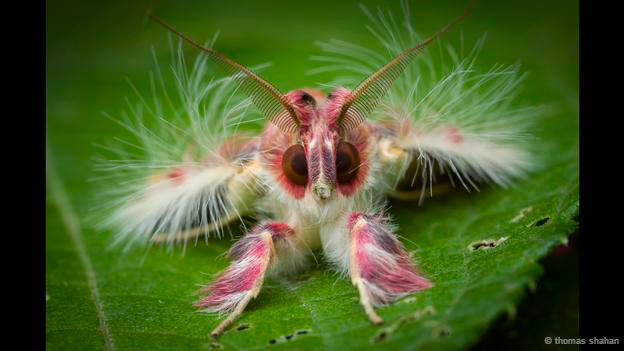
(193, 198)
(428, 161)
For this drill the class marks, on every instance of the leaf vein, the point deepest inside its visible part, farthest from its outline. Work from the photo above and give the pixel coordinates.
(69, 218)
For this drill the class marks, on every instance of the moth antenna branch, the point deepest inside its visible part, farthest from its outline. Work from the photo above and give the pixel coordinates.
(268, 99)
(365, 98)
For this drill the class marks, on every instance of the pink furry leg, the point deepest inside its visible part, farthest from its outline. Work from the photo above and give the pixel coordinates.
(242, 280)
(379, 265)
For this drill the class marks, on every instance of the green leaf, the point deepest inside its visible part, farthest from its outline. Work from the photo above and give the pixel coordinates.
(551, 311)
(99, 298)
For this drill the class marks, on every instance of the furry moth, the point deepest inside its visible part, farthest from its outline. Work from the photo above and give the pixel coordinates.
(318, 173)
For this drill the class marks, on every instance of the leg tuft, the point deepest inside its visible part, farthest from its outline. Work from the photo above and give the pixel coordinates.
(379, 265)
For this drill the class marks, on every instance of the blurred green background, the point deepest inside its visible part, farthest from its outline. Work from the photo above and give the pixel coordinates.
(91, 47)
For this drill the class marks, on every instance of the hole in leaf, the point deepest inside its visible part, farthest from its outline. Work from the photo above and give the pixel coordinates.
(381, 336)
(486, 244)
(541, 222)
(576, 218)
(444, 332)
(384, 333)
(289, 337)
(243, 327)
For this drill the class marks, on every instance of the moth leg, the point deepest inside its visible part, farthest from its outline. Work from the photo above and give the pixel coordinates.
(252, 256)
(379, 265)
(411, 174)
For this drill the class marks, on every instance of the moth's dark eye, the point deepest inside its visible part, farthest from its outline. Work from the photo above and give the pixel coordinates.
(347, 162)
(294, 165)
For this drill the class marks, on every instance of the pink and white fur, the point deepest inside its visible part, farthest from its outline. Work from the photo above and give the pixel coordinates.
(318, 175)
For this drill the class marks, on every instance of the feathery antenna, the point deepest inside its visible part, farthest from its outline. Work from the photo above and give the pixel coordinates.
(263, 94)
(365, 98)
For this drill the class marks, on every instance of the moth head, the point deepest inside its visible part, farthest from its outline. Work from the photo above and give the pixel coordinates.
(321, 158)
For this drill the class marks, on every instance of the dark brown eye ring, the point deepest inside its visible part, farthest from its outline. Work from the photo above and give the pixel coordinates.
(295, 166)
(347, 162)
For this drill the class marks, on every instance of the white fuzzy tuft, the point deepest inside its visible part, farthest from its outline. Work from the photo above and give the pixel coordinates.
(176, 128)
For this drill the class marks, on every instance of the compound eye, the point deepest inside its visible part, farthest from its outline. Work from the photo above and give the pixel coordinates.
(294, 165)
(347, 162)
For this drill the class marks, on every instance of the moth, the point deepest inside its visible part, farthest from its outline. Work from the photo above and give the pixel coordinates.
(318, 174)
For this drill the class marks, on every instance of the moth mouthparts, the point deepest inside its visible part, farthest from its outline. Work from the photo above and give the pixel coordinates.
(322, 190)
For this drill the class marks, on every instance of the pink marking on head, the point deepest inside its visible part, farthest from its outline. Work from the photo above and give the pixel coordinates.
(295, 190)
(305, 103)
(333, 107)
(273, 145)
